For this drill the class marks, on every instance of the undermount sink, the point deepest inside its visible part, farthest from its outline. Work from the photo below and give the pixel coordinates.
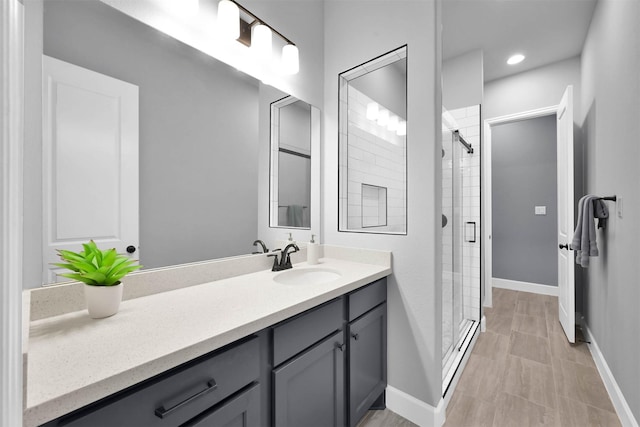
(307, 276)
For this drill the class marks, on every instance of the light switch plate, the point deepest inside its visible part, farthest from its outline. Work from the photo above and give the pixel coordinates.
(541, 210)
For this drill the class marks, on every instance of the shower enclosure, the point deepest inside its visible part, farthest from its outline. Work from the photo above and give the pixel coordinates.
(460, 235)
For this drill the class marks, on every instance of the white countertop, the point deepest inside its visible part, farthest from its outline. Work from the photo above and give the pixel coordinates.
(74, 360)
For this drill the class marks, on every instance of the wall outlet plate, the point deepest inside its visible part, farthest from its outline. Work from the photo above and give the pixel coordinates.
(541, 210)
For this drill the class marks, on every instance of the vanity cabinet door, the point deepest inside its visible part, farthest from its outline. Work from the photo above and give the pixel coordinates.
(239, 411)
(309, 389)
(367, 361)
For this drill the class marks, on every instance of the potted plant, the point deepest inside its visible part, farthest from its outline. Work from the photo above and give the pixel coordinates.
(100, 271)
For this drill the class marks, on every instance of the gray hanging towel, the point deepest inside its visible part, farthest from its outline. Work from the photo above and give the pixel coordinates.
(294, 215)
(601, 212)
(584, 238)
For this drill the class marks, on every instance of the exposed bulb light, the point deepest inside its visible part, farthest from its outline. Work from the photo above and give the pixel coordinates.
(515, 59)
(261, 39)
(392, 126)
(229, 19)
(290, 59)
(383, 117)
(372, 111)
(402, 128)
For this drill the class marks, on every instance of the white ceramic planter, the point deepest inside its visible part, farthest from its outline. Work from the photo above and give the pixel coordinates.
(103, 301)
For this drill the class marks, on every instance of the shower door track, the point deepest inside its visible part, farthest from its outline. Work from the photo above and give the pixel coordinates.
(462, 351)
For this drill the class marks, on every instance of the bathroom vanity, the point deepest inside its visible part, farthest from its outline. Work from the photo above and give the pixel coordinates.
(245, 351)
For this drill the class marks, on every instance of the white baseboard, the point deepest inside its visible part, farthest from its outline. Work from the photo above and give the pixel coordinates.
(534, 288)
(483, 324)
(419, 412)
(413, 409)
(617, 398)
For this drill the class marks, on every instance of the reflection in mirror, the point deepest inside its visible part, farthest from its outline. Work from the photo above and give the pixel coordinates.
(198, 133)
(373, 150)
(294, 127)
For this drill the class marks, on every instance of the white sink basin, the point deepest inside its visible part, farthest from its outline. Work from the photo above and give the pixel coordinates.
(307, 276)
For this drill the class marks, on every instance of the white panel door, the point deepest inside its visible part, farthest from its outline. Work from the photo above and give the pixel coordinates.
(90, 162)
(566, 274)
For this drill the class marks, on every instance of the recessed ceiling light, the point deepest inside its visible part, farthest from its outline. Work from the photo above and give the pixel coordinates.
(515, 59)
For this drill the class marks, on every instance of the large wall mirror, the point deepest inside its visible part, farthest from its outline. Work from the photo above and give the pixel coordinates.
(373, 146)
(198, 132)
(294, 130)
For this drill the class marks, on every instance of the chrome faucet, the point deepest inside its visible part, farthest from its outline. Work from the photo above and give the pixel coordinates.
(285, 259)
(264, 247)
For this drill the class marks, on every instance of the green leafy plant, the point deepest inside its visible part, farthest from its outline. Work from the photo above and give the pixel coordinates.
(96, 267)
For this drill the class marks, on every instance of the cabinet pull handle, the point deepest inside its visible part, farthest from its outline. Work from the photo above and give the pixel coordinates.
(355, 336)
(340, 346)
(161, 412)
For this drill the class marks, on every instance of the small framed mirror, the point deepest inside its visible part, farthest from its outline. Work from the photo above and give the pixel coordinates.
(294, 132)
(373, 146)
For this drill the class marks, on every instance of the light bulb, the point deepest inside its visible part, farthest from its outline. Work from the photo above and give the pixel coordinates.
(372, 111)
(393, 123)
(383, 117)
(261, 41)
(290, 59)
(402, 128)
(229, 19)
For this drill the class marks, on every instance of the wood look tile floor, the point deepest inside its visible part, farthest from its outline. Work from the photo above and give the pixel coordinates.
(523, 372)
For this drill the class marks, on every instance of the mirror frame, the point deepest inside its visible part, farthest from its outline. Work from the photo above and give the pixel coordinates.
(274, 108)
(344, 78)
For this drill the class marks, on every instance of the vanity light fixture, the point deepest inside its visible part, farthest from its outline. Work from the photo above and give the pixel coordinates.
(515, 59)
(393, 123)
(229, 19)
(372, 111)
(383, 117)
(402, 128)
(259, 38)
(262, 41)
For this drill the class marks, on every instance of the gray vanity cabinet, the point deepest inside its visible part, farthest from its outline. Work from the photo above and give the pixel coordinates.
(324, 367)
(242, 410)
(220, 386)
(367, 361)
(309, 389)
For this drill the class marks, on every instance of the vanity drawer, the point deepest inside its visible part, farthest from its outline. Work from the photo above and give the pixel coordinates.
(173, 398)
(306, 329)
(364, 299)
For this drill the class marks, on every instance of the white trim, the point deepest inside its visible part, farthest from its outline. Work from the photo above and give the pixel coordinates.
(413, 409)
(485, 179)
(617, 398)
(419, 412)
(535, 288)
(483, 324)
(11, 184)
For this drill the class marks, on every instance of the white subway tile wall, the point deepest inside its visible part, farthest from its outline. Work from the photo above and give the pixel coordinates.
(376, 157)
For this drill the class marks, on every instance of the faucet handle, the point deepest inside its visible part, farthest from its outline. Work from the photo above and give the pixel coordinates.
(276, 264)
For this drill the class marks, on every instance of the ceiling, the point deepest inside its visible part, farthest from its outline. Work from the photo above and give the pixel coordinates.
(545, 31)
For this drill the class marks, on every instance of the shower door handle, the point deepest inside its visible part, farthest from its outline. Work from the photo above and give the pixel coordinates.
(470, 229)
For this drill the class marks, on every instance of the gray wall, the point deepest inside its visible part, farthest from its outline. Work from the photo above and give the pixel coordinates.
(523, 174)
(198, 131)
(356, 32)
(611, 125)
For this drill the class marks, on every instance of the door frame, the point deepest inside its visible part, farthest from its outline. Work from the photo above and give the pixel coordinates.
(11, 189)
(485, 172)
